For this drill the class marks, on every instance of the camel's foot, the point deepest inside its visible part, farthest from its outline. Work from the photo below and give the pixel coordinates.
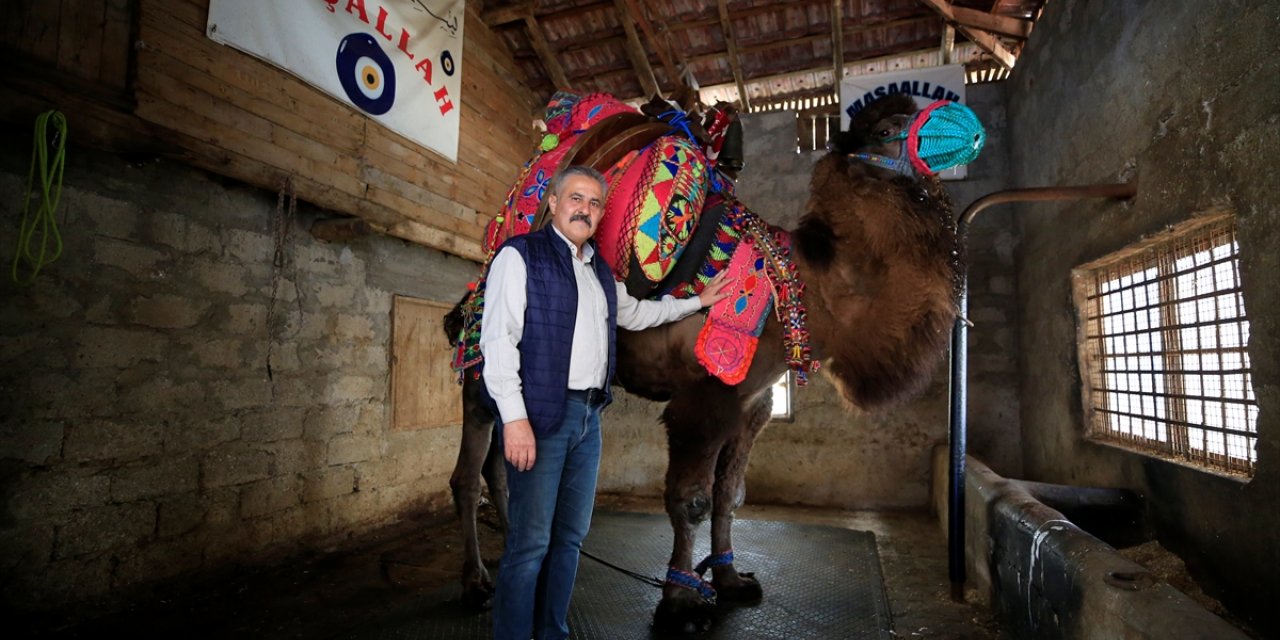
(477, 589)
(738, 588)
(685, 612)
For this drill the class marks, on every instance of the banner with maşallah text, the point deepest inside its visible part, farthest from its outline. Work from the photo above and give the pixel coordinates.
(925, 85)
(397, 61)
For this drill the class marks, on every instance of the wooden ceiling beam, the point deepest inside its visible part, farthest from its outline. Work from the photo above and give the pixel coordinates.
(510, 13)
(639, 59)
(545, 54)
(984, 40)
(845, 32)
(837, 42)
(662, 47)
(701, 23)
(735, 63)
(1002, 25)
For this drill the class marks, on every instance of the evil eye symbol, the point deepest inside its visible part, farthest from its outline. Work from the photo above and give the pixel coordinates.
(366, 74)
(446, 62)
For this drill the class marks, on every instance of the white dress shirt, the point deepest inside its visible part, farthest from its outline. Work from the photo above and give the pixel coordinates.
(503, 325)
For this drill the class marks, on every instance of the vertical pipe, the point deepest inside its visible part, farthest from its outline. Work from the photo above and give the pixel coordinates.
(957, 440)
(960, 359)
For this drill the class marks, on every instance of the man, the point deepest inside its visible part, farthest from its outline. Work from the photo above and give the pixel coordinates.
(551, 310)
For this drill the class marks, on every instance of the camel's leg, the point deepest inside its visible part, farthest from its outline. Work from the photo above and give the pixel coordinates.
(727, 496)
(698, 421)
(477, 431)
(495, 478)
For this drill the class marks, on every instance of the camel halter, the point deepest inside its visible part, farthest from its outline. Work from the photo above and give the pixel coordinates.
(942, 135)
(899, 165)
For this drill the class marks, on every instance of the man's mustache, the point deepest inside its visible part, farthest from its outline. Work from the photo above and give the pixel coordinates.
(581, 217)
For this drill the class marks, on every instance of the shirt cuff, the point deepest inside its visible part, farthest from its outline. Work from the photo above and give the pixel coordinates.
(511, 409)
(690, 305)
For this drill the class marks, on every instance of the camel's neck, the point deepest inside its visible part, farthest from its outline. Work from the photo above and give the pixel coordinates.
(878, 282)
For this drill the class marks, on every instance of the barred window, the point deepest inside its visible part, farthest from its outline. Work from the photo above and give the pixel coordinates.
(1163, 348)
(813, 131)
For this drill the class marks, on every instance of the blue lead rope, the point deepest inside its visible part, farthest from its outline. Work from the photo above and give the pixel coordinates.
(678, 119)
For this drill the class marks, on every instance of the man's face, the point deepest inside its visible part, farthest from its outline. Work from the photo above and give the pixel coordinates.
(577, 208)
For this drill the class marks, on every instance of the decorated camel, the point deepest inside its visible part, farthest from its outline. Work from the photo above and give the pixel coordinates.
(863, 289)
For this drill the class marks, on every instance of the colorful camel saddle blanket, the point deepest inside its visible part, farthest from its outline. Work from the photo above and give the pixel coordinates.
(670, 225)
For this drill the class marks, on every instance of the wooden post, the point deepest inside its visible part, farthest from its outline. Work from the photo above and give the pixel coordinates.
(639, 59)
(734, 62)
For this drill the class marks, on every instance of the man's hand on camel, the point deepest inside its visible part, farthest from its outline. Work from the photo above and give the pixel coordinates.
(518, 444)
(715, 290)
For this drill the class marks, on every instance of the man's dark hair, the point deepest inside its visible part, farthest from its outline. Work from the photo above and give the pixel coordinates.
(578, 170)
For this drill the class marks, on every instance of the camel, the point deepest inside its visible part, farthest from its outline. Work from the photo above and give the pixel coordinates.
(879, 257)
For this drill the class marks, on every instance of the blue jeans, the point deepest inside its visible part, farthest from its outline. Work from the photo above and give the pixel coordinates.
(549, 513)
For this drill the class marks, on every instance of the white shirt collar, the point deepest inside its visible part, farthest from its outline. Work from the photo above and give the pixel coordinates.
(587, 250)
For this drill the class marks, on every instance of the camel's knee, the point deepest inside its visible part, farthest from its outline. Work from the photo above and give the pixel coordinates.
(689, 509)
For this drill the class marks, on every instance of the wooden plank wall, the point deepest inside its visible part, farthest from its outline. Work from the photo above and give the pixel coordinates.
(222, 110)
(84, 39)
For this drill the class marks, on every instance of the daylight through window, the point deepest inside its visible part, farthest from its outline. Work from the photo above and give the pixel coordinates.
(1163, 352)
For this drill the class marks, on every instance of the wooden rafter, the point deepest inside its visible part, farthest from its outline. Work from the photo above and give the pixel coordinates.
(983, 39)
(660, 46)
(545, 54)
(1003, 25)
(639, 59)
(703, 23)
(727, 28)
(510, 13)
(837, 42)
(846, 31)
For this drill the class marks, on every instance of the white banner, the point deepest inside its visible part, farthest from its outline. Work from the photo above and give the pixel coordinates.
(925, 85)
(397, 61)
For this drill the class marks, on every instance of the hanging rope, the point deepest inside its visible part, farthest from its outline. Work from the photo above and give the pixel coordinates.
(39, 242)
(282, 265)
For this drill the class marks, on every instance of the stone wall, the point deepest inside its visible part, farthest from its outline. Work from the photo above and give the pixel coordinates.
(1181, 96)
(828, 456)
(175, 404)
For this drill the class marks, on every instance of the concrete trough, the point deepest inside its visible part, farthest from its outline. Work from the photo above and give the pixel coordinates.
(1046, 577)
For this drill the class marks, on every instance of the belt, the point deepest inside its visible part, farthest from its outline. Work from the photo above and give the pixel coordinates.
(590, 397)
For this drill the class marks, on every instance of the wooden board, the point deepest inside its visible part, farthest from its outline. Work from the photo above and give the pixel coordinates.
(424, 391)
(222, 110)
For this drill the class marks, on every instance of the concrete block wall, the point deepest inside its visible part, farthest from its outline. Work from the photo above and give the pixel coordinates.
(1181, 96)
(174, 404)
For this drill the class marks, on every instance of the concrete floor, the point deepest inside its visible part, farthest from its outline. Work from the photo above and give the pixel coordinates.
(387, 579)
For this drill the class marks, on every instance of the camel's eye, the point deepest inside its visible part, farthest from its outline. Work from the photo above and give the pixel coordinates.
(884, 133)
(919, 195)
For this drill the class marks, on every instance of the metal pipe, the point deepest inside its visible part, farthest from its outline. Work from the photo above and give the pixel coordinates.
(960, 358)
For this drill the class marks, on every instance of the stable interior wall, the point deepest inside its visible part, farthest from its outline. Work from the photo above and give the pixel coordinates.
(1182, 97)
(198, 383)
(176, 404)
(829, 456)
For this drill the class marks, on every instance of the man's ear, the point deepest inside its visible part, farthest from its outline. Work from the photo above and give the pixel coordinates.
(551, 202)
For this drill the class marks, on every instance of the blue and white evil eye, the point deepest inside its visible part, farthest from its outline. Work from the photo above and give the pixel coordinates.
(366, 74)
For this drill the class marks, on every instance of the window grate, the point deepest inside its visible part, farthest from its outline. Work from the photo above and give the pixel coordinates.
(813, 132)
(1163, 337)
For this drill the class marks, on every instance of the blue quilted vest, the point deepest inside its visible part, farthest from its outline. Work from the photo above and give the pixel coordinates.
(549, 319)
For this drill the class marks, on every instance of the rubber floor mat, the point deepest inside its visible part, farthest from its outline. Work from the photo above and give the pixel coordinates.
(819, 582)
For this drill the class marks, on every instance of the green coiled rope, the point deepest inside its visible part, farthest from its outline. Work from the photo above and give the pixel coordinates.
(39, 242)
